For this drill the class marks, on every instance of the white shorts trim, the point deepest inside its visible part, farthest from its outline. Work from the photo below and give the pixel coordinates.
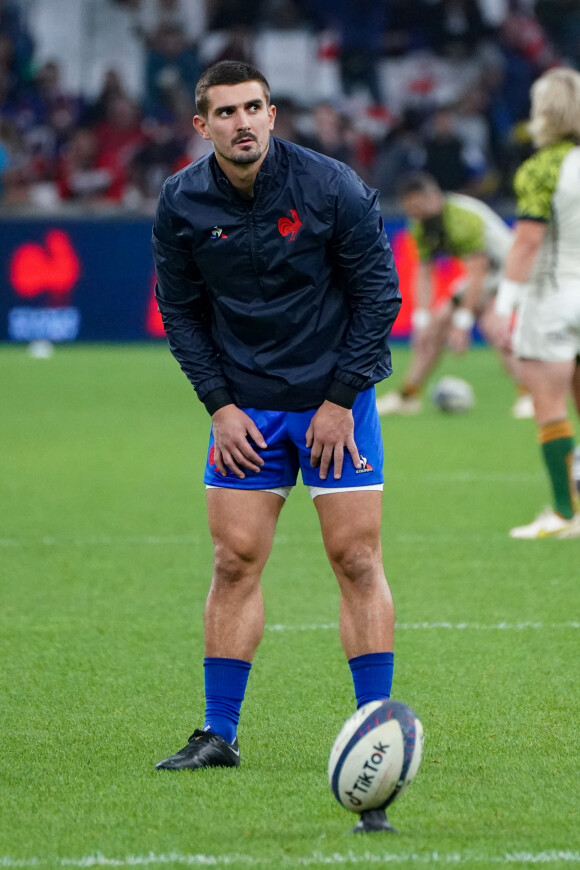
(315, 491)
(282, 491)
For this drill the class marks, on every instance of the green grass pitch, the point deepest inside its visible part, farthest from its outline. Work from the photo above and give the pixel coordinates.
(104, 566)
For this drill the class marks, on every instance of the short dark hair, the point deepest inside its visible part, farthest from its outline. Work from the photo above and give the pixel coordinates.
(416, 182)
(227, 72)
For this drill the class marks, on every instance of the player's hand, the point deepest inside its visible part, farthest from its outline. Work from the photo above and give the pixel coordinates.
(331, 430)
(458, 339)
(232, 429)
(499, 329)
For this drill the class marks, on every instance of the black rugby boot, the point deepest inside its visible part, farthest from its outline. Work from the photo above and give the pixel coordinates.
(205, 749)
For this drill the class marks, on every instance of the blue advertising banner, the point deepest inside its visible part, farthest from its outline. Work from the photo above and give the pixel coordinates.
(92, 279)
(68, 280)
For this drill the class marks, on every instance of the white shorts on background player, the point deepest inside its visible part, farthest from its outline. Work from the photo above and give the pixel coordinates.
(548, 324)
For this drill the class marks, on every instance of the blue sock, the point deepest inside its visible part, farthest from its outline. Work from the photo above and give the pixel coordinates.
(372, 675)
(225, 686)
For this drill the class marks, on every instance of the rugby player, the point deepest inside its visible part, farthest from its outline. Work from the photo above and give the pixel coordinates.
(460, 226)
(542, 281)
(278, 290)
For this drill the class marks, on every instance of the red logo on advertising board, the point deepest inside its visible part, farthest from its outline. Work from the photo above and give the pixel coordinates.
(154, 323)
(52, 267)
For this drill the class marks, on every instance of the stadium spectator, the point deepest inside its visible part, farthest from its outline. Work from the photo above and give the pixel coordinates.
(189, 16)
(286, 114)
(237, 43)
(455, 28)
(14, 29)
(445, 153)
(542, 278)
(112, 87)
(401, 152)
(561, 22)
(285, 14)
(153, 162)
(328, 134)
(223, 14)
(119, 138)
(172, 70)
(404, 32)
(9, 146)
(286, 305)
(360, 27)
(79, 177)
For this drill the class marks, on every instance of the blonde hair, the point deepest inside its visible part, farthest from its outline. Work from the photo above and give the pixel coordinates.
(555, 107)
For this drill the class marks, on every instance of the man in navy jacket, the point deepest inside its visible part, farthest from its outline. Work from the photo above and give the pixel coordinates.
(278, 291)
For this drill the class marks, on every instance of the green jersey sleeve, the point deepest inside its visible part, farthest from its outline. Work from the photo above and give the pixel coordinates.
(537, 179)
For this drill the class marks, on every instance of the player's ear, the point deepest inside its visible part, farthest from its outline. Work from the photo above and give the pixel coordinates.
(272, 116)
(200, 124)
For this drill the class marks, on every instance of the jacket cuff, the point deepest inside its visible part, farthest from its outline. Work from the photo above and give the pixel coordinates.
(341, 394)
(217, 399)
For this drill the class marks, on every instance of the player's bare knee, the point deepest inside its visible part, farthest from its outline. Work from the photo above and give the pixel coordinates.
(357, 561)
(236, 560)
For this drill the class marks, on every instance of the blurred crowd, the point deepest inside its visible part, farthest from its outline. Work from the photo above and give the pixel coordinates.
(400, 85)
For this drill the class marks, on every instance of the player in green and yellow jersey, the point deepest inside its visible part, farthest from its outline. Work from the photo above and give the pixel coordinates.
(542, 280)
(460, 226)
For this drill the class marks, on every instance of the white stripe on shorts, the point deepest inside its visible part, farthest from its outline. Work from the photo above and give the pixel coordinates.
(283, 491)
(315, 491)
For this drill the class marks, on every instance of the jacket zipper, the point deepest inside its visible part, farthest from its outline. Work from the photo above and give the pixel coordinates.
(251, 234)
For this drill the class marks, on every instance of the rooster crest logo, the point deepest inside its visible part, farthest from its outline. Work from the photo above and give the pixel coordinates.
(290, 226)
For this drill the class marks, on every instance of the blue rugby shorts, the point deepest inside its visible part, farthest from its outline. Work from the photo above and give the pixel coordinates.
(286, 453)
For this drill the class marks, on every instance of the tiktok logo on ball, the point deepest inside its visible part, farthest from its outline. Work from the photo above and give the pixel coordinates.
(365, 778)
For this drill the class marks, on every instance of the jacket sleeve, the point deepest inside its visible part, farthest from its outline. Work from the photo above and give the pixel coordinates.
(364, 259)
(182, 300)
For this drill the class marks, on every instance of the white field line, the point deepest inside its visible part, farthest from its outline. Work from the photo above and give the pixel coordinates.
(469, 476)
(280, 540)
(430, 626)
(316, 859)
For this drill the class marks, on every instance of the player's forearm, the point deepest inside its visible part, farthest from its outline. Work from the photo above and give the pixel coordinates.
(473, 294)
(528, 237)
(521, 259)
(519, 265)
(423, 287)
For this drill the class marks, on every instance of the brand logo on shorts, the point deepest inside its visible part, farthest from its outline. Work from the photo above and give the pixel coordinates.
(218, 233)
(287, 227)
(211, 457)
(364, 465)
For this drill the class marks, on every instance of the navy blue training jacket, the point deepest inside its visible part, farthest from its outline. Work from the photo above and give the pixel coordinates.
(282, 301)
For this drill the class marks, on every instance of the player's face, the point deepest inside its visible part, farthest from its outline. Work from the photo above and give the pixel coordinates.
(422, 204)
(238, 122)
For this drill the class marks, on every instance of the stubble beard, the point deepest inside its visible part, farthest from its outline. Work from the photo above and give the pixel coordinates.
(242, 158)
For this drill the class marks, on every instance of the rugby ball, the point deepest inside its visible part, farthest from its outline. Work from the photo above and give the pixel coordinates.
(376, 755)
(453, 395)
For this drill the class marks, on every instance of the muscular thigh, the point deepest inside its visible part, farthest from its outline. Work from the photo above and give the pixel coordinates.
(242, 522)
(350, 521)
